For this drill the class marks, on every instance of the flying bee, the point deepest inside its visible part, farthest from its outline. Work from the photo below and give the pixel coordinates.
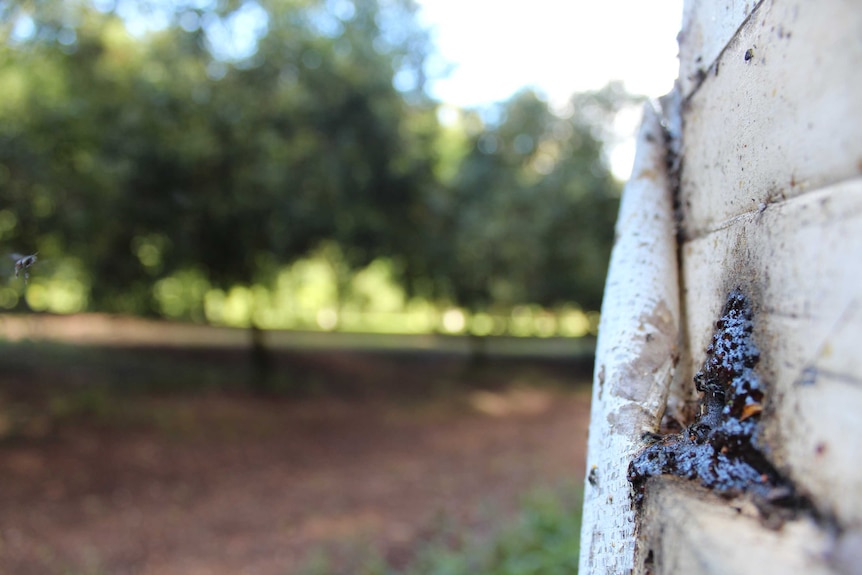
(23, 264)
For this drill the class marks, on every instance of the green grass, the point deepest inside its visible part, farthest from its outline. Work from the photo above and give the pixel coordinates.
(544, 539)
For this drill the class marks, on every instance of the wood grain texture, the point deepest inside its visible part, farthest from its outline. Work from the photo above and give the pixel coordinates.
(780, 114)
(770, 202)
(635, 355)
(799, 261)
(707, 27)
(687, 530)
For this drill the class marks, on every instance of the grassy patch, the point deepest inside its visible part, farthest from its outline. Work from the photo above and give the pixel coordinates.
(544, 539)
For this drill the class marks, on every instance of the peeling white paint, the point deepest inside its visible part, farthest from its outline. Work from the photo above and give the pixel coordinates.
(637, 344)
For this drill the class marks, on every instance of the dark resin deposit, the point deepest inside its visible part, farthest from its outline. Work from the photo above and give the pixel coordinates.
(720, 448)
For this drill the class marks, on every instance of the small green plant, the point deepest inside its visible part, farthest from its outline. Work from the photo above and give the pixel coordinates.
(543, 540)
(94, 403)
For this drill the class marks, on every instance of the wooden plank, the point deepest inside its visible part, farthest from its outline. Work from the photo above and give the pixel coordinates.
(635, 354)
(799, 263)
(707, 27)
(688, 530)
(778, 116)
(771, 202)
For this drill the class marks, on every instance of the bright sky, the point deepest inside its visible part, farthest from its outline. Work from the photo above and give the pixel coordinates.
(496, 47)
(558, 47)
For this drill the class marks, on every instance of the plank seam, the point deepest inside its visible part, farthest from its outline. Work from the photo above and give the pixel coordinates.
(778, 201)
(703, 74)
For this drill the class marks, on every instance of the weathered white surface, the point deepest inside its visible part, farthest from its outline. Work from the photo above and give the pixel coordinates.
(786, 121)
(771, 202)
(801, 263)
(635, 354)
(707, 27)
(689, 531)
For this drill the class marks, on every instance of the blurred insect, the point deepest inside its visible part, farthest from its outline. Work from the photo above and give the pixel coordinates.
(23, 264)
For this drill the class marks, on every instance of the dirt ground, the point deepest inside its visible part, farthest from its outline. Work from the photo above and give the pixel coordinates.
(228, 483)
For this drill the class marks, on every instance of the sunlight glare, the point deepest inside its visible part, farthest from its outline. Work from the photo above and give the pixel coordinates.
(557, 47)
(454, 321)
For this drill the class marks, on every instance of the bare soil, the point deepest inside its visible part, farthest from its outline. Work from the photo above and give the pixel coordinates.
(226, 483)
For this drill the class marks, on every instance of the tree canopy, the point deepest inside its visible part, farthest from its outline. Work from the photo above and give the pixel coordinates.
(532, 207)
(228, 139)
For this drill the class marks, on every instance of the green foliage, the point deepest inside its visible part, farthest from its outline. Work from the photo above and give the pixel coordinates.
(531, 210)
(94, 403)
(229, 140)
(543, 540)
(144, 157)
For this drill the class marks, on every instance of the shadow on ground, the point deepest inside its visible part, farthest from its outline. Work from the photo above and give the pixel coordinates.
(162, 461)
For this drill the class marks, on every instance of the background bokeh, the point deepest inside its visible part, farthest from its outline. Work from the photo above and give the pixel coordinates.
(281, 165)
(299, 305)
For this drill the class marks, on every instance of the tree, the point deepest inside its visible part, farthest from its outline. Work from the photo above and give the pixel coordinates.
(531, 210)
(168, 153)
(192, 151)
